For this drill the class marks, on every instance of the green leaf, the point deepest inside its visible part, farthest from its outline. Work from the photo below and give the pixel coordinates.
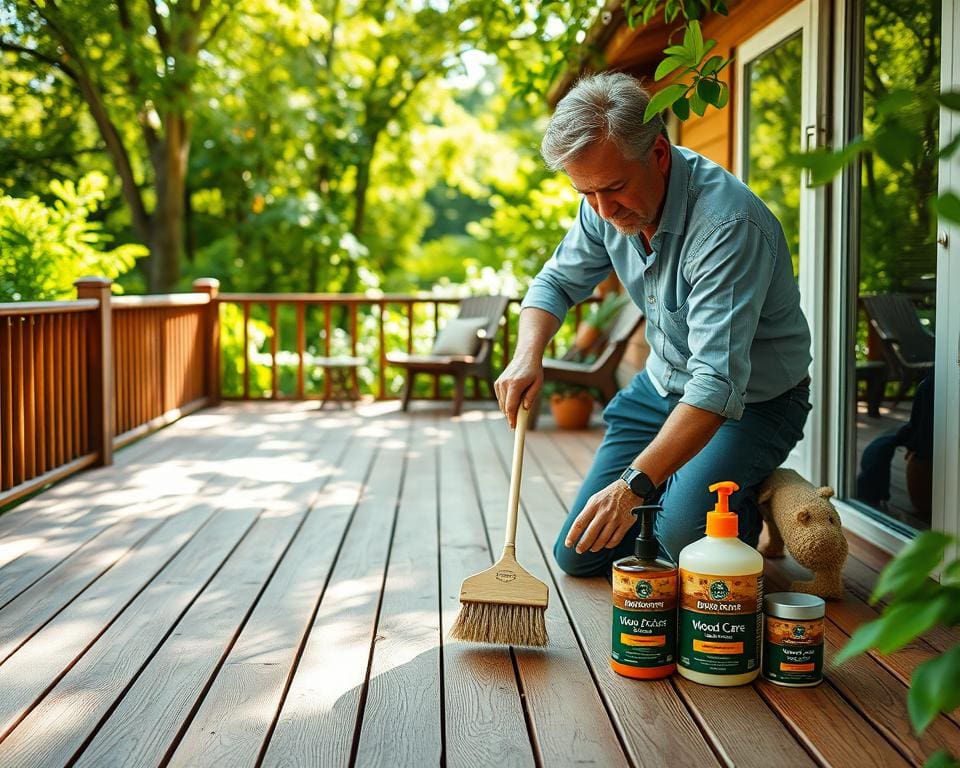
(681, 108)
(663, 99)
(911, 568)
(670, 11)
(895, 143)
(677, 50)
(941, 759)
(894, 102)
(934, 688)
(708, 90)
(950, 100)
(948, 207)
(951, 574)
(724, 96)
(697, 104)
(667, 66)
(950, 147)
(906, 621)
(720, 7)
(693, 40)
(861, 641)
(708, 45)
(713, 64)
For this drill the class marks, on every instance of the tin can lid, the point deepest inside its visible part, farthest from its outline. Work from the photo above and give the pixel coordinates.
(794, 605)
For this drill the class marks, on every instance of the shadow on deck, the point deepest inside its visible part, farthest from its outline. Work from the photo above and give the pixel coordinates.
(271, 584)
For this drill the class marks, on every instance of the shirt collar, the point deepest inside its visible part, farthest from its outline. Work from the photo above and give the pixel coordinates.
(675, 205)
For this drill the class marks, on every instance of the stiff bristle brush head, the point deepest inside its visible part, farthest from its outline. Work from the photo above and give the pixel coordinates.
(503, 604)
(501, 624)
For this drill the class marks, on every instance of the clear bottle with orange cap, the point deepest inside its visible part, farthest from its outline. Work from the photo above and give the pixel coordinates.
(721, 602)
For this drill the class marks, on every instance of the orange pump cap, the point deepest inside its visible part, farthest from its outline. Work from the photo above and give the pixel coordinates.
(721, 521)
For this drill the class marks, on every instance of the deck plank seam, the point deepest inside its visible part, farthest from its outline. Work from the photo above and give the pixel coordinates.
(365, 687)
(191, 714)
(291, 673)
(146, 662)
(212, 476)
(518, 676)
(93, 641)
(438, 485)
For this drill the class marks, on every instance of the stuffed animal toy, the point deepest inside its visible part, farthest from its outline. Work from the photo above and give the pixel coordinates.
(801, 517)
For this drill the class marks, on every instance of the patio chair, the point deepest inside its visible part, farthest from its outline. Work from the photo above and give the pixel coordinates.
(908, 347)
(600, 373)
(462, 348)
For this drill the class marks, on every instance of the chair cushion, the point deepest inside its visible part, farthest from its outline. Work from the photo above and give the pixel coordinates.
(459, 336)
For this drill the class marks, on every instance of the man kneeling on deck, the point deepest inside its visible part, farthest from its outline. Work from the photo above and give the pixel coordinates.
(725, 392)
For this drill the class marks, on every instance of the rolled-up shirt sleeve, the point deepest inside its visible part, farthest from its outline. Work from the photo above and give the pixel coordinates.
(577, 265)
(729, 274)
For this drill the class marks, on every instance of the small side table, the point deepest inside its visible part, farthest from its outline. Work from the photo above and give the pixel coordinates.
(341, 372)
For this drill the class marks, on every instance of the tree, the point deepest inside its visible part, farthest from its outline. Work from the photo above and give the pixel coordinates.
(135, 69)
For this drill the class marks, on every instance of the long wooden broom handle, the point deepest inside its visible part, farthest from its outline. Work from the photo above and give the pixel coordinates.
(518, 437)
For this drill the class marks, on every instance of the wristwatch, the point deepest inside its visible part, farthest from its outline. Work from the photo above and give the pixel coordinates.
(638, 482)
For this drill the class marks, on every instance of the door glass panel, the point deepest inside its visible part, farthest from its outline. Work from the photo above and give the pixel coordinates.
(894, 344)
(772, 125)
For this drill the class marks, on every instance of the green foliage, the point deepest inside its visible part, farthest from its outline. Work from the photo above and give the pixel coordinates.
(704, 88)
(915, 604)
(45, 248)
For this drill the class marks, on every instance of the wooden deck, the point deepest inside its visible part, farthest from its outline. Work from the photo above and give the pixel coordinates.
(271, 584)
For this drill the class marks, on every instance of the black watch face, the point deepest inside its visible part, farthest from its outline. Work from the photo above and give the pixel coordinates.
(641, 485)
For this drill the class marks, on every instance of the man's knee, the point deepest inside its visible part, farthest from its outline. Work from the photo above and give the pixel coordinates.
(587, 564)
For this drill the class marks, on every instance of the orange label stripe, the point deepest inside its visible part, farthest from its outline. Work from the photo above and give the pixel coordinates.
(704, 646)
(647, 641)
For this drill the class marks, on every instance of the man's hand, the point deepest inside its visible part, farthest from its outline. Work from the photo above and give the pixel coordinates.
(522, 378)
(605, 519)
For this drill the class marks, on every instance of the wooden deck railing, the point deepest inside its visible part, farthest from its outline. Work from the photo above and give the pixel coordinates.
(81, 378)
(370, 327)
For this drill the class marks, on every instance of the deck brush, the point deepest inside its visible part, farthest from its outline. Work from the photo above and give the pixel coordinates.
(504, 604)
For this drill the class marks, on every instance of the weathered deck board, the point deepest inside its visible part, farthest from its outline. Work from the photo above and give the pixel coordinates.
(484, 721)
(232, 724)
(318, 716)
(270, 584)
(401, 714)
(568, 718)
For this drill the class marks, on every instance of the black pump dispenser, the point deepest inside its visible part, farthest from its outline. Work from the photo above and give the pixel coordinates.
(647, 545)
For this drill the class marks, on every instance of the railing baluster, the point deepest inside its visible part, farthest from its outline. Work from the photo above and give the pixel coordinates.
(327, 332)
(436, 330)
(383, 350)
(6, 404)
(29, 431)
(66, 380)
(274, 348)
(353, 345)
(40, 405)
(18, 447)
(246, 351)
(301, 346)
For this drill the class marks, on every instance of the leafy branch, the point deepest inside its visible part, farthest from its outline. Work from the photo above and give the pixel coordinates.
(916, 604)
(894, 141)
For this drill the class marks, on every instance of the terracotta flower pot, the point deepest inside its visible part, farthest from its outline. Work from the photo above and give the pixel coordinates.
(572, 411)
(587, 336)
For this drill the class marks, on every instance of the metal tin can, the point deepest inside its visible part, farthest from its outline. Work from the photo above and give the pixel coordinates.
(793, 639)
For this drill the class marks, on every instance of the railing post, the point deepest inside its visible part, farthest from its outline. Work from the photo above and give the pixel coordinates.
(100, 350)
(211, 340)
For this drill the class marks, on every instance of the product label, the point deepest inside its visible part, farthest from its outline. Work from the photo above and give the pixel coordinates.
(793, 651)
(644, 619)
(720, 623)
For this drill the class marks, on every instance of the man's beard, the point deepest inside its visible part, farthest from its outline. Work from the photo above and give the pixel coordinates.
(631, 225)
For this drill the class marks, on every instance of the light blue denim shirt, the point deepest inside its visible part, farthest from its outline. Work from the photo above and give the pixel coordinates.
(724, 323)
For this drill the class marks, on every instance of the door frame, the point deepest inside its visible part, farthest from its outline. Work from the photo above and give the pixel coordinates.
(946, 433)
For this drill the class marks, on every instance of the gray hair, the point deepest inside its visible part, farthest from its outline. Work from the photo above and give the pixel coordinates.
(604, 107)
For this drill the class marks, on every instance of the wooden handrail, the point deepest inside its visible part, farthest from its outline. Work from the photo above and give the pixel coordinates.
(81, 378)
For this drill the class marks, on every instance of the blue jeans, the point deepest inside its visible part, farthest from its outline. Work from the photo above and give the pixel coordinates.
(745, 451)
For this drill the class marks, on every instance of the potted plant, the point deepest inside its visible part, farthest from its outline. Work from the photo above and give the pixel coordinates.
(598, 321)
(570, 404)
